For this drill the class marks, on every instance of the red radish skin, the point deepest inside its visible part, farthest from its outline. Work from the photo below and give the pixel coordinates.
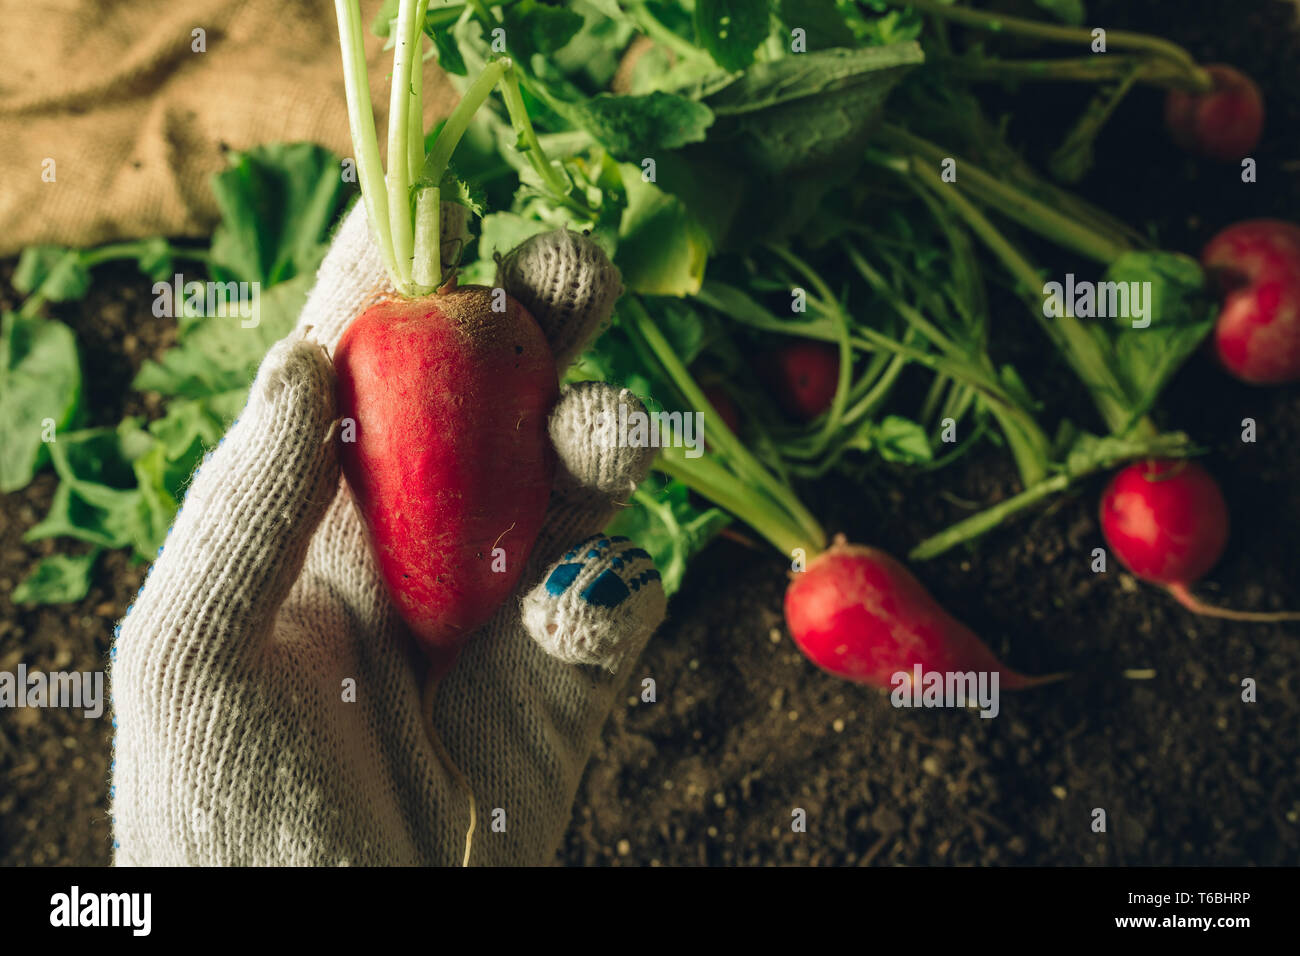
(1167, 522)
(1224, 124)
(861, 615)
(1257, 335)
(451, 458)
(803, 376)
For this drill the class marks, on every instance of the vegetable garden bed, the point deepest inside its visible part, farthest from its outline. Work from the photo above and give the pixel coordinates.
(745, 729)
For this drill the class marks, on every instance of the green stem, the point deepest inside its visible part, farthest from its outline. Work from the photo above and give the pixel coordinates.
(1012, 202)
(399, 128)
(988, 519)
(655, 30)
(435, 164)
(1198, 78)
(426, 267)
(1154, 71)
(415, 125)
(1029, 444)
(523, 127)
(725, 490)
(1075, 343)
(1111, 453)
(727, 444)
(361, 122)
(1074, 156)
(835, 414)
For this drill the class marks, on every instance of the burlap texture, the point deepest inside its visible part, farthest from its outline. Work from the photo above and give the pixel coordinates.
(135, 120)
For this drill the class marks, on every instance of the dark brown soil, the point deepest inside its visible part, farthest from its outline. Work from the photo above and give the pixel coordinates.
(745, 731)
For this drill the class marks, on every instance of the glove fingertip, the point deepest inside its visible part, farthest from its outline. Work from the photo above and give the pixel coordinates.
(568, 284)
(585, 431)
(597, 605)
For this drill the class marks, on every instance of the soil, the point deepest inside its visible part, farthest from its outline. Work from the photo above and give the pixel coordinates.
(744, 731)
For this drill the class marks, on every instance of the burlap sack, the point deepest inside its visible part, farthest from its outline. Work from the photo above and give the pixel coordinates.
(112, 101)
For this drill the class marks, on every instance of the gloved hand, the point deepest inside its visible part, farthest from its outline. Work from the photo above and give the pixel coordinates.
(267, 695)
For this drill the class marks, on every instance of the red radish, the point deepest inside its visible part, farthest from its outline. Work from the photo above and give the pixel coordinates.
(1168, 523)
(1257, 336)
(724, 406)
(804, 376)
(861, 615)
(1223, 124)
(449, 398)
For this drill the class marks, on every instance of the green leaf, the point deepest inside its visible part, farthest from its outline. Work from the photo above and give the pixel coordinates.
(59, 274)
(662, 520)
(731, 30)
(448, 50)
(662, 248)
(277, 204)
(901, 440)
(72, 516)
(40, 383)
(57, 580)
(455, 189)
(185, 423)
(815, 109)
(682, 325)
(813, 75)
(97, 461)
(633, 128)
(1180, 314)
(591, 57)
(821, 21)
(790, 130)
(218, 354)
(158, 505)
(113, 490)
(502, 231)
(189, 429)
(532, 28)
(712, 188)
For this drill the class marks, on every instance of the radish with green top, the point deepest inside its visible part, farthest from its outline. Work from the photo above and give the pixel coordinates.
(1167, 521)
(446, 385)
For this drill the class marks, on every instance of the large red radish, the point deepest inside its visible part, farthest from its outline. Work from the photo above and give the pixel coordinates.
(861, 615)
(451, 465)
(1257, 335)
(1167, 522)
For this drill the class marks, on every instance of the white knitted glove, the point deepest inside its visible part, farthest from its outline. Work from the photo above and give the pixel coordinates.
(267, 695)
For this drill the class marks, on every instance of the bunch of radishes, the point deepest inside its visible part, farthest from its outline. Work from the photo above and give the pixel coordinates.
(1167, 520)
(860, 614)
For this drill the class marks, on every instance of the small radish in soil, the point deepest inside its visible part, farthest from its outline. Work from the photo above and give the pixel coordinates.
(859, 614)
(445, 393)
(803, 375)
(1223, 124)
(1257, 264)
(1167, 522)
